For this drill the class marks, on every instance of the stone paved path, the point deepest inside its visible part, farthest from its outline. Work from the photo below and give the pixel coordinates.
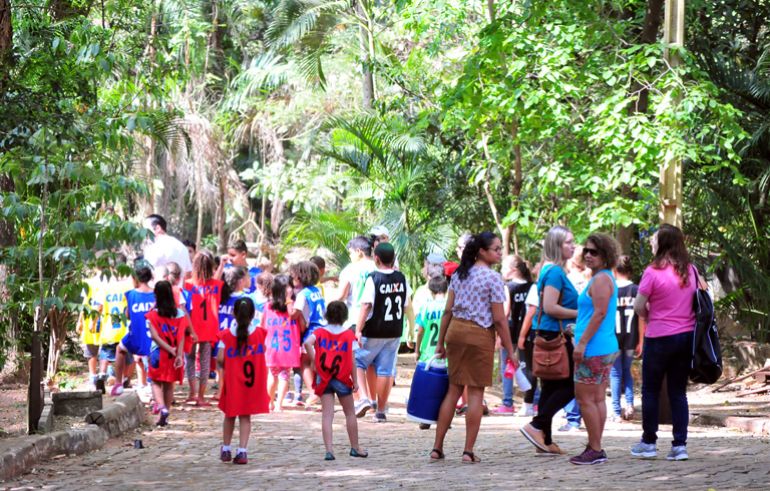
(286, 453)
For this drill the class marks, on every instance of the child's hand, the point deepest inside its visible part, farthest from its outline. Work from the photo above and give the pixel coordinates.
(355, 387)
(178, 362)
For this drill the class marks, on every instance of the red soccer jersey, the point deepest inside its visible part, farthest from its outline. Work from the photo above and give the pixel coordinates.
(172, 332)
(244, 386)
(333, 358)
(204, 308)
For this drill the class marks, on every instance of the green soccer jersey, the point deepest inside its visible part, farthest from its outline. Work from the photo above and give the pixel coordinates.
(429, 319)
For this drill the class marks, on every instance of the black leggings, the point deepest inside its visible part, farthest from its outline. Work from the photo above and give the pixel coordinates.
(554, 394)
(525, 356)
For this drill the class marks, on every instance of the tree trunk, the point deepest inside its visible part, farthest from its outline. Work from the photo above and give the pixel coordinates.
(518, 180)
(652, 21)
(57, 322)
(66, 9)
(491, 10)
(6, 36)
(149, 164)
(222, 208)
(365, 44)
(14, 360)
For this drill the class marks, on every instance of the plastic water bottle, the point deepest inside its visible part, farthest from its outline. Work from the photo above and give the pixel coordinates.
(522, 382)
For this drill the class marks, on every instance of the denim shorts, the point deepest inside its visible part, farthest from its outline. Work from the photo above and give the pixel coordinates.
(336, 387)
(155, 357)
(378, 352)
(90, 350)
(107, 352)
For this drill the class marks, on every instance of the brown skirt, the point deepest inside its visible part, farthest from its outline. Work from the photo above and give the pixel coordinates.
(470, 353)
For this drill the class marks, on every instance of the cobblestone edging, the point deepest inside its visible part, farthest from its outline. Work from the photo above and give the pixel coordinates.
(124, 414)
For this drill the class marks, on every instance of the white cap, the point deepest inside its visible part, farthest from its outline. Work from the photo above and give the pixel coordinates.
(379, 231)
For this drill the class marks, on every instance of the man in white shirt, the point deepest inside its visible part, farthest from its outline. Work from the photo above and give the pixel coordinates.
(164, 249)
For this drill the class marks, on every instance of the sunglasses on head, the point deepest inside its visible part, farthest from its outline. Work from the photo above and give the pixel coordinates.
(591, 251)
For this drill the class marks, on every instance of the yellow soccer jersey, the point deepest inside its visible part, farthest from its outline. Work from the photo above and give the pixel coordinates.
(113, 318)
(91, 325)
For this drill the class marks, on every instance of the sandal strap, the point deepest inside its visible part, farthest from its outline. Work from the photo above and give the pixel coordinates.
(438, 452)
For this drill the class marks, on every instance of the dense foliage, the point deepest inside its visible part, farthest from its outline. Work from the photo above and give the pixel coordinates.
(302, 122)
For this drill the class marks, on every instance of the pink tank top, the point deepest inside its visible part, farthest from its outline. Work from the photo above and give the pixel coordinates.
(282, 341)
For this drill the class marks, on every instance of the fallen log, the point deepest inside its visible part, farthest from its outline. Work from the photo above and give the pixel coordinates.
(741, 378)
(754, 391)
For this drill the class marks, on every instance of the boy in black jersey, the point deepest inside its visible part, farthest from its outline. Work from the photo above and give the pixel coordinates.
(384, 303)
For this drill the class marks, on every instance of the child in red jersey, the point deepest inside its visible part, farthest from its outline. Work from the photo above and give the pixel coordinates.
(331, 346)
(244, 388)
(166, 324)
(283, 339)
(205, 296)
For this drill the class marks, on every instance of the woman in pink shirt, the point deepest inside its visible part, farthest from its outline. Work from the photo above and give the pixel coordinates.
(665, 301)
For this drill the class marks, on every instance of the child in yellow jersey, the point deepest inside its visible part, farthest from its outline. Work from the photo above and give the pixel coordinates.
(88, 326)
(113, 322)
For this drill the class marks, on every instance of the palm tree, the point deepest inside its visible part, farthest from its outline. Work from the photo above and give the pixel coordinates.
(400, 179)
(307, 26)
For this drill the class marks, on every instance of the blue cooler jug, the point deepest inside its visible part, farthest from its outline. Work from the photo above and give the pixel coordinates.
(429, 387)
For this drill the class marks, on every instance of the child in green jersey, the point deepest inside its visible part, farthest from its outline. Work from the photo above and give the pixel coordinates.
(429, 319)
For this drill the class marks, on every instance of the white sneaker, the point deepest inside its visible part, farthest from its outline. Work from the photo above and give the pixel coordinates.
(361, 407)
(526, 410)
(644, 450)
(678, 453)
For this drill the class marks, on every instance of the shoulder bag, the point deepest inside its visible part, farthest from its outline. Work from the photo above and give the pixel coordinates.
(550, 360)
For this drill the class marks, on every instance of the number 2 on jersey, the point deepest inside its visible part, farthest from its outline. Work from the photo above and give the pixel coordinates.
(433, 334)
(389, 308)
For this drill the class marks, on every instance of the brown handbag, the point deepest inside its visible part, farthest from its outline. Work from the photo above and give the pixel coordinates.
(550, 360)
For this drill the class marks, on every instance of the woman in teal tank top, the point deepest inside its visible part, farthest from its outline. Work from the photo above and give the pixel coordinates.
(597, 345)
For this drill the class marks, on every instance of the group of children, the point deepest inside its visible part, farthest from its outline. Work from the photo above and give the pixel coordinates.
(259, 329)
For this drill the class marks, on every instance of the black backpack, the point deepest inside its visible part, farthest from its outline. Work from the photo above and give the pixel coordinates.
(706, 364)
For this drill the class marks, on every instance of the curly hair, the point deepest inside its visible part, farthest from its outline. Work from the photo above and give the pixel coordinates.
(607, 247)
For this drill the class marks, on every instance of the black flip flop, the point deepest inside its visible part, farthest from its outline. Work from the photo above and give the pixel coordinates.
(437, 452)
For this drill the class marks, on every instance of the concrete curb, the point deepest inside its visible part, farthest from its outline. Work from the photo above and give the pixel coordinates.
(124, 414)
(757, 425)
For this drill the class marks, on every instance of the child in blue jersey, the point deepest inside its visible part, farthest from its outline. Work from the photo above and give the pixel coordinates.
(309, 312)
(236, 283)
(135, 345)
(238, 252)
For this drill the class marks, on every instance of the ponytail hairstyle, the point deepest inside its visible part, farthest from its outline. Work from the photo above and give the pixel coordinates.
(471, 252)
(672, 251)
(173, 273)
(625, 267)
(522, 266)
(244, 311)
(233, 277)
(279, 300)
(203, 267)
(164, 300)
